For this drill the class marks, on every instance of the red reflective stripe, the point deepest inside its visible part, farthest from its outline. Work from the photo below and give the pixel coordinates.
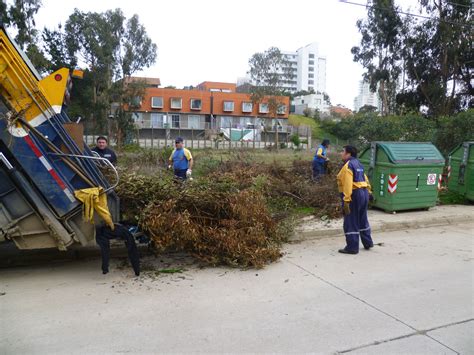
(33, 146)
(37, 152)
(58, 179)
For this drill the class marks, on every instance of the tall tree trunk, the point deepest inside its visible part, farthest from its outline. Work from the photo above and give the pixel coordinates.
(383, 91)
(443, 58)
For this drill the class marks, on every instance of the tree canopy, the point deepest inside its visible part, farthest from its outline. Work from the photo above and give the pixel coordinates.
(419, 63)
(107, 45)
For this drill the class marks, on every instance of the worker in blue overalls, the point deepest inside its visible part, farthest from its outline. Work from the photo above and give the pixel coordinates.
(181, 161)
(355, 191)
(320, 160)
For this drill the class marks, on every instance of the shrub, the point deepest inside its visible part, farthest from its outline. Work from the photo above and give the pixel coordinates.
(366, 127)
(295, 139)
(454, 130)
(307, 112)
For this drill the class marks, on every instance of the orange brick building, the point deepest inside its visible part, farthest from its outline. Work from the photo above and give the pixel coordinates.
(211, 106)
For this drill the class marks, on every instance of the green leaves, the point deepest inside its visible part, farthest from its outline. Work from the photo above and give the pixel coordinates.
(367, 127)
(137, 49)
(268, 71)
(379, 50)
(112, 48)
(431, 59)
(21, 15)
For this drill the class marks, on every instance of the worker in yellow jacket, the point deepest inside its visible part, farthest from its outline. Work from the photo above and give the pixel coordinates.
(355, 192)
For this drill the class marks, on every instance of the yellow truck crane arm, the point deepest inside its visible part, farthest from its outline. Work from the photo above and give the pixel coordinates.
(23, 91)
(49, 180)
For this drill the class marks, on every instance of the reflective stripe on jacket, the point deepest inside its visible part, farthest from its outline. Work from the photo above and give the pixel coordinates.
(351, 177)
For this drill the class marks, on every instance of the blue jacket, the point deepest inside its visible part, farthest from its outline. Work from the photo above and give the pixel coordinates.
(180, 159)
(320, 151)
(352, 177)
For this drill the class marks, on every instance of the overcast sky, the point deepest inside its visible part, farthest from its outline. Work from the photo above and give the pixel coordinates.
(212, 40)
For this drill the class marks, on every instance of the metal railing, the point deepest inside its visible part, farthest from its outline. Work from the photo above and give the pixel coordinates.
(103, 163)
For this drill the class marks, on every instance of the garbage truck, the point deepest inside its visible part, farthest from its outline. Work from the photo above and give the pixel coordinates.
(43, 163)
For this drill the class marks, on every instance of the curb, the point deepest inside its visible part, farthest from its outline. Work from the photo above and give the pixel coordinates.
(383, 227)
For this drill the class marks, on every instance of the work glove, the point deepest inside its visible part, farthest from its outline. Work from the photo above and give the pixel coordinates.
(371, 197)
(346, 209)
(169, 167)
(189, 172)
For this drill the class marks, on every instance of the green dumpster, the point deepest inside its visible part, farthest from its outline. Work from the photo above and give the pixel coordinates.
(461, 170)
(403, 175)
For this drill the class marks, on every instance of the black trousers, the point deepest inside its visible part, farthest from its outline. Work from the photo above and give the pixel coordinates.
(103, 236)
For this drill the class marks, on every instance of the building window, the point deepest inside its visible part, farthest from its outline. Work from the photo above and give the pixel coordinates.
(310, 88)
(194, 122)
(311, 82)
(311, 62)
(156, 120)
(247, 122)
(175, 121)
(263, 108)
(281, 109)
(247, 107)
(196, 104)
(156, 102)
(136, 101)
(176, 103)
(228, 106)
(311, 69)
(278, 124)
(311, 56)
(226, 122)
(310, 75)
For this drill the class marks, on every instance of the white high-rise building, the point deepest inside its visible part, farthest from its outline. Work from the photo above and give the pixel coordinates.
(309, 69)
(366, 97)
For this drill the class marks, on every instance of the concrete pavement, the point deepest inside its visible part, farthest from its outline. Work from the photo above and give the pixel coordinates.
(413, 294)
(380, 221)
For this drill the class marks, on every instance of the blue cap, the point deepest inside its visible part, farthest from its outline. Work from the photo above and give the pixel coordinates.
(178, 140)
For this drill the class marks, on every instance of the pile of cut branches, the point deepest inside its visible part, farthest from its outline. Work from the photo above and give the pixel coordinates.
(229, 216)
(295, 183)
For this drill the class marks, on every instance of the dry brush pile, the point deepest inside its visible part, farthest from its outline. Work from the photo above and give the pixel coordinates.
(235, 215)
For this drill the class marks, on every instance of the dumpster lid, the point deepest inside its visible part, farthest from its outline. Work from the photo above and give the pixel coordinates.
(411, 152)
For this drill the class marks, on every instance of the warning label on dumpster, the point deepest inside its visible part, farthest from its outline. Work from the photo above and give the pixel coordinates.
(431, 179)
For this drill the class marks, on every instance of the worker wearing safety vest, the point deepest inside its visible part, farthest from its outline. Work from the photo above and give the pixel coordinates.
(181, 160)
(320, 160)
(355, 192)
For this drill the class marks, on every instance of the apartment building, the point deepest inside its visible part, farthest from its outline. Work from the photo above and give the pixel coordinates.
(308, 68)
(211, 106)
(366, 97)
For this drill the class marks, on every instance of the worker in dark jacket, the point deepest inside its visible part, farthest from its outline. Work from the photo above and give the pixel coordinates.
(320, 160)
(105, 152)
(355, 192)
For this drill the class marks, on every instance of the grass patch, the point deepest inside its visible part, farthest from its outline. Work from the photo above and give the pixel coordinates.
(147, 161)
(304, 211)
(300, 120)
(317, 133)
